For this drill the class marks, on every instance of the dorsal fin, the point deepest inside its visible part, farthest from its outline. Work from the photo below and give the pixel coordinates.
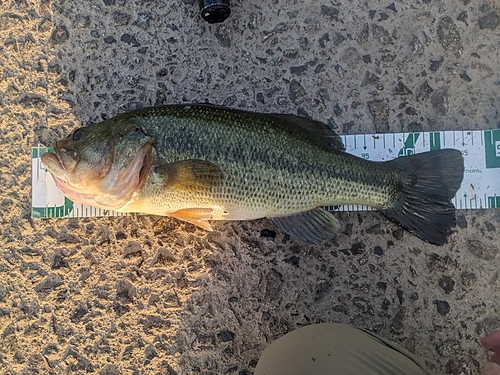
(313, 130)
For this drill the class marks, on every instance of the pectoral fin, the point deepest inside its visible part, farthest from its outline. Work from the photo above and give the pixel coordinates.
(311, 227)
(196, 216)
(191, 175)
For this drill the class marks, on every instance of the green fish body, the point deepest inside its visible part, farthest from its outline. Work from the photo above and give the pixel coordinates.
(203, 162)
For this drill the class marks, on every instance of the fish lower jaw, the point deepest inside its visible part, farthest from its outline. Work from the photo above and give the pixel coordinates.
(86, 195)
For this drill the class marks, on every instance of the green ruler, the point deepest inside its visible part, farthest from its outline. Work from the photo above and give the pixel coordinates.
(480, 187)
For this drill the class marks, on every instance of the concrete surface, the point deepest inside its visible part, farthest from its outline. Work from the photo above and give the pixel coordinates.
(148, 295)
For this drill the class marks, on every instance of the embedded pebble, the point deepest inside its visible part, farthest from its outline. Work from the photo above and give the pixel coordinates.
(489, 21)
(447, 284)
(448, 36)
(481, 251)
(443, 307)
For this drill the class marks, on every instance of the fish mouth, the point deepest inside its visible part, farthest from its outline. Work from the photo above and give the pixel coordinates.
(66, 154)
(54, 165)
(112, 190)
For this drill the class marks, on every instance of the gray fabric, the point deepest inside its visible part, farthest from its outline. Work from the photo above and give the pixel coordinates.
(337, 349)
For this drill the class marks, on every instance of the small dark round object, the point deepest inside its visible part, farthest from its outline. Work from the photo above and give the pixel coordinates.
(214, 11)
(78, 134)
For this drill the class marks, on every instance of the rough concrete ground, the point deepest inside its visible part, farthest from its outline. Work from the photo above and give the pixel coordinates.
(148, 295)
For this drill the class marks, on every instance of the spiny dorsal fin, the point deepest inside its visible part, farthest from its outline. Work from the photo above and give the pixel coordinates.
(315, 131)
(192, 175)
(311, 227)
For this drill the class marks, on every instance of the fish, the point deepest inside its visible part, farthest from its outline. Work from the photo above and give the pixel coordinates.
(203, 162)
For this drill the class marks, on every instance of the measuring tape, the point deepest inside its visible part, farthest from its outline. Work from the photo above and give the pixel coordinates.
(480, 187)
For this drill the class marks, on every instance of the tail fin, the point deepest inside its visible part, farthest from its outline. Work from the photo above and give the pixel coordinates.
(429, 182)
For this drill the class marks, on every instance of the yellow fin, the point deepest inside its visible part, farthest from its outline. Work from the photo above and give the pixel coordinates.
(191, 175)
(196, 216)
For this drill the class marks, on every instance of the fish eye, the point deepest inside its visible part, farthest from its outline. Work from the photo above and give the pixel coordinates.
(138, 133)
(78, 134)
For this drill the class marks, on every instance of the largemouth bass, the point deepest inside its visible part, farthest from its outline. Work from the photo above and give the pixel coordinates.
(203, 162)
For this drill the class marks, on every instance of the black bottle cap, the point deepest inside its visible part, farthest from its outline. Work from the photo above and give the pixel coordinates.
(214, 11)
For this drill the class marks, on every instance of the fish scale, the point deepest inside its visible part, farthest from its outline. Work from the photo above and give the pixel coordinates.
(285, 182)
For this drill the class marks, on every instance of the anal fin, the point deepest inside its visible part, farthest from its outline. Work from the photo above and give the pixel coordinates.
(311, 227)
(196, 216)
